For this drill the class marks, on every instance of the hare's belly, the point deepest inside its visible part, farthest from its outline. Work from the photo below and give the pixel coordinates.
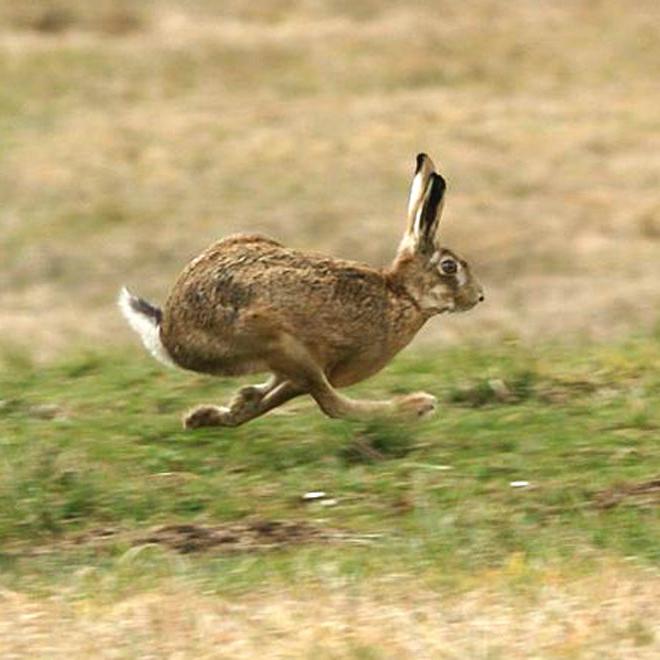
(204, 357)
(207, 348)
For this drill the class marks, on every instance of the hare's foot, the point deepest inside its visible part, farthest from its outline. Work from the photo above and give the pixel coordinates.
(249, 402)
(207, 415)
(244, 405)
(418, 404)
(248, 397)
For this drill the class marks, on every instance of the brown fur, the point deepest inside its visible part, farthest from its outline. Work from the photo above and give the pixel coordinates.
(244, 291)
(249, 304)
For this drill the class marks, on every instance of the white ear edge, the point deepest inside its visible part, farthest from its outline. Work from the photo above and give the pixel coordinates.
(424, 169)
(416, 193)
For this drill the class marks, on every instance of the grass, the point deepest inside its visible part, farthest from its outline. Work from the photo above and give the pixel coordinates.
(96, 440)
(92, 445)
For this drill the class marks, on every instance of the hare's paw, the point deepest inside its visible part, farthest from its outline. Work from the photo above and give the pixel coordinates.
(247, 397)
(419, 404)
(251, 392)
(206, 416)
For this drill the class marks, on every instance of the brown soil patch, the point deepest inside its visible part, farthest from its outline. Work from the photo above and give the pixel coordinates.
(239, 537)
(185, 538)
(645, 493)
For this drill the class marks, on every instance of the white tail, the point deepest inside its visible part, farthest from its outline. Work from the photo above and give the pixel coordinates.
(144, 318)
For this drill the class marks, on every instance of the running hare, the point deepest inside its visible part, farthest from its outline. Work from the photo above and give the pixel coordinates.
(248, 304)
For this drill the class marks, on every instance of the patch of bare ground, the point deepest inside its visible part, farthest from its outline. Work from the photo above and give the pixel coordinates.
(186, 538)
(58, 17)
(645, 493)
(613, 614)
(239, 537)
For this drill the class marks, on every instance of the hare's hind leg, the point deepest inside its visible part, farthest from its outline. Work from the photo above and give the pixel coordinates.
(239, 409)
(294, 360)
(249, 402)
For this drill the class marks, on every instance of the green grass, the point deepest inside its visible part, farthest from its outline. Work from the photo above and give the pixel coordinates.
(431, 499)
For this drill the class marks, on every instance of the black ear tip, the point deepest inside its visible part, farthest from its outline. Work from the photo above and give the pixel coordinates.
(421, 157)
(438, 187)
(439, 183)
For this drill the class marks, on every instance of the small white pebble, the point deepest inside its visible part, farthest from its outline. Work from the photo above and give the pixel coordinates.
(519, 484)
(429, 466)
(313, 495)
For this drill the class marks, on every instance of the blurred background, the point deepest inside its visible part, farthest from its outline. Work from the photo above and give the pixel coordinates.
(135, 133)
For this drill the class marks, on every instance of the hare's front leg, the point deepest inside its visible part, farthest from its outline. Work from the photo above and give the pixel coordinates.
(295, 361)
(334, 404)
(249, 402)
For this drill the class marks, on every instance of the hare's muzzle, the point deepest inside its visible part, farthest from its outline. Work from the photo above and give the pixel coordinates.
(471, 297)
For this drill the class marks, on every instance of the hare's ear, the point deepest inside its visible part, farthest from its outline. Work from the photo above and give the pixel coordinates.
(427, 217)
(424, 206)
(424, 168)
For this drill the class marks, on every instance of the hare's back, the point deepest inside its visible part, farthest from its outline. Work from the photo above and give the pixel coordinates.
(222, 288)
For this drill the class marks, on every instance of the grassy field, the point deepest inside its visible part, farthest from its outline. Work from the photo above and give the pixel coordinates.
(143, 538)
(134, 134)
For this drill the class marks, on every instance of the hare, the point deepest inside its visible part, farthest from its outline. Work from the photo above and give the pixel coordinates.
(248, 304)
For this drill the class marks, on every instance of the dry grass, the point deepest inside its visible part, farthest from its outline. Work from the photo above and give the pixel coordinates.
(132, 139)
(611, 615)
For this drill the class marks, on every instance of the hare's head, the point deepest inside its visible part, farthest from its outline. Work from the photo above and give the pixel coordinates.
(438, 278)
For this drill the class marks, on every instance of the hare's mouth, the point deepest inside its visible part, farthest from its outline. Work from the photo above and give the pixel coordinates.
(449, 308)
(464, 306)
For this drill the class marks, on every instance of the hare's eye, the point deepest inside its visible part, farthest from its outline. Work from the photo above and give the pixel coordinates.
(448, 266)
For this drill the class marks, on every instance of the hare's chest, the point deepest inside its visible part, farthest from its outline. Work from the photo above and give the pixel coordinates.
(355, 369)
(369, 358)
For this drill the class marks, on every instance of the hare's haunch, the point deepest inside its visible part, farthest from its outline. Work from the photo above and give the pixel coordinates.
(248, 304)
